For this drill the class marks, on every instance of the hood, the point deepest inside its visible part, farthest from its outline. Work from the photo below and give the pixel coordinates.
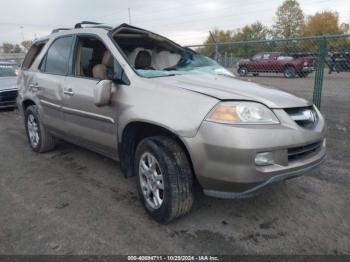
(228, 88)
(8, 83)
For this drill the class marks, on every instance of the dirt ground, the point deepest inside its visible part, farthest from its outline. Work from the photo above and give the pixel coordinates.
(73, 201)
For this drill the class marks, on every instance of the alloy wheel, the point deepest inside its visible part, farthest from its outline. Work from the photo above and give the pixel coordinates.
(151, 180)
(33, 130)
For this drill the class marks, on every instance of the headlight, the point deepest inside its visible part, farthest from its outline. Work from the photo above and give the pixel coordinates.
(242, 113)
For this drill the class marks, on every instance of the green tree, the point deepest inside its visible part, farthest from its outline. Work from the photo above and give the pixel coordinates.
(289, 20)
(8, 47)
(27, 44)
(255, 31)
(215, 36)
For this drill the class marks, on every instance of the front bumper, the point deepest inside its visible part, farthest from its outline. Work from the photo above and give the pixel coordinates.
(223, 156)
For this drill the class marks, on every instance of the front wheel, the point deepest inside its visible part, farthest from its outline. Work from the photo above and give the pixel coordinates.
(164, 178)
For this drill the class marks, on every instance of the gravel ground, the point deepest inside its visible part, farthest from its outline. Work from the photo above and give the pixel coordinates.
(73, 201)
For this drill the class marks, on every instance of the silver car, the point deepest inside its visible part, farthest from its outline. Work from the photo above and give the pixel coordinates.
(170, 116)
(8, 87)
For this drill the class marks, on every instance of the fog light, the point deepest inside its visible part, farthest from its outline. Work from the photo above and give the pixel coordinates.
(264, 159)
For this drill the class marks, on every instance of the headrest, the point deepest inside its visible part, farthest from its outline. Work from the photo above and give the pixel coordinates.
(143, 60)
(133, 54)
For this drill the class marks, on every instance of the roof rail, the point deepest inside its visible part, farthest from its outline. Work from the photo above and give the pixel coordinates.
(59, 29)
(79, 25)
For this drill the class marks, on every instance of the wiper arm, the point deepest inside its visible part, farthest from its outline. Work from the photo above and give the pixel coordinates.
(163, 76)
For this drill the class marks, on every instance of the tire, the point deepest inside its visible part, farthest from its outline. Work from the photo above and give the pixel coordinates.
(289, 72)
(176, 198)
(41, 141)
(243, 71)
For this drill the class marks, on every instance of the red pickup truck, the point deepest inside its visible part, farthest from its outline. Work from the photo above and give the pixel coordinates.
(274, 62)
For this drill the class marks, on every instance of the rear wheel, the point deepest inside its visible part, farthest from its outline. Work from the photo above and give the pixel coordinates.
(164, 178)
(40, 140)
(289, 72)
(243, 71)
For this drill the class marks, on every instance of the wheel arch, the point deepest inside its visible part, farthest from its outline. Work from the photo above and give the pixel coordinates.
(26, 103)
(289, 65)
(133, 133)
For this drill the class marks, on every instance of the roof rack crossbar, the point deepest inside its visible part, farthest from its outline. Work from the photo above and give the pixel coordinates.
(79, 25)
(59, 29)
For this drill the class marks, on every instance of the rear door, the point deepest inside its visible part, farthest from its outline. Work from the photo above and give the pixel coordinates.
(47, 83)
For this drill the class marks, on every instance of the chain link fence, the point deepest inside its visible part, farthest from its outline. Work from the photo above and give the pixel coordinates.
(312, 60)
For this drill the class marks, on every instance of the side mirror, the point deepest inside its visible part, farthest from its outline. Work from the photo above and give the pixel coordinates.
(102, 93)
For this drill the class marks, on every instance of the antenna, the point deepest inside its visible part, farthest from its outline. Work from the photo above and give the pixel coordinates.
(129, 11)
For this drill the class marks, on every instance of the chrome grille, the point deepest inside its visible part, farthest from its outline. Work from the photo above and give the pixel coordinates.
(305, 117)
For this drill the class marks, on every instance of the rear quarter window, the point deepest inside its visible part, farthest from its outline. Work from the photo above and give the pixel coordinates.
(32, 54)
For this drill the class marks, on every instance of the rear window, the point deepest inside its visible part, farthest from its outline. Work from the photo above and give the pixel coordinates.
(56, 60)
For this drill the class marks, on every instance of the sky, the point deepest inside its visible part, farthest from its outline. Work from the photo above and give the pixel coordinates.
(184, 21)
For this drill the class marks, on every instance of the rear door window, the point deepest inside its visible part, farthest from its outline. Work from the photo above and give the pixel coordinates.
(57, 57)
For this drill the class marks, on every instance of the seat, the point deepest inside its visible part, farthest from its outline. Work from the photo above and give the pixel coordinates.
(99, 71)
(133, 54)
(143, 60)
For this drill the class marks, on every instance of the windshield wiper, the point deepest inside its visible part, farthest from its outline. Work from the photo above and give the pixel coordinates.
(163, 76)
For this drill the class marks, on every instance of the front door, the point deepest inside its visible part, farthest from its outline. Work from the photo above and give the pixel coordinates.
(87, 124)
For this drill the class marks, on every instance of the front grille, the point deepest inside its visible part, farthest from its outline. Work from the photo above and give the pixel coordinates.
(305, 117)
(296, 153)
(10, 95)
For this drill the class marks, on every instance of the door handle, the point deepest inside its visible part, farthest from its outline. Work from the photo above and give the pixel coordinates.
(34, 87)
(68, 92)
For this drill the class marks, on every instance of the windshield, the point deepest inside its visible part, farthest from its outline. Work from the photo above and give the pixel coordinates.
(7, 70)
(189, 63)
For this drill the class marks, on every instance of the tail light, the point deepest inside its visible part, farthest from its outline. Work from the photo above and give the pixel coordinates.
(305, 63)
